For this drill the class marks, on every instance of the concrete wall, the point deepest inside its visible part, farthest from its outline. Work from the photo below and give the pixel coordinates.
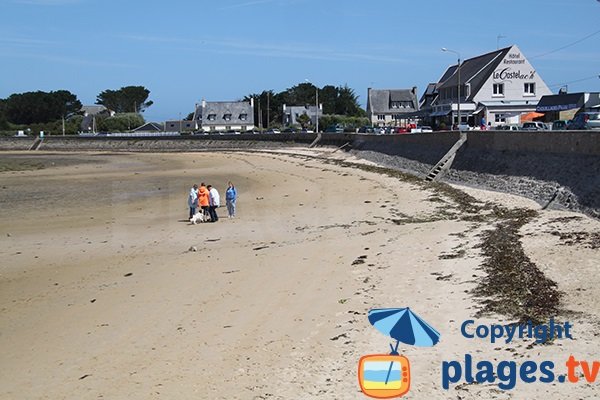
(171, 144)
(9, 143)
(500, 160)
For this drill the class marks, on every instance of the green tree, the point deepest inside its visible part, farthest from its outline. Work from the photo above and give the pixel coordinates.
(3, 120)
(41, 107)
(120, 122)
(340, 100)
(347, 102)
(303, 120)
(128, 99)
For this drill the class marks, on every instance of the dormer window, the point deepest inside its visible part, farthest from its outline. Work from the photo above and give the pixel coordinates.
(243, 117)
(400, 104)
(227, 117)
(212, 117)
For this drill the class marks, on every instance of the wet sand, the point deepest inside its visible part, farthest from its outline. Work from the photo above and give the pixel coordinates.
(101, 297)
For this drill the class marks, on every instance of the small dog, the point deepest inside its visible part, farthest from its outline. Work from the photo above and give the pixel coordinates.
(200, 216)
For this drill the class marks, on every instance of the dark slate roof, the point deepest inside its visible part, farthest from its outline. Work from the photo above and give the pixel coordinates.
(569, 101)
(221, 108)
(475, 71)
(380, 100)
(150, 127)
(429, 96)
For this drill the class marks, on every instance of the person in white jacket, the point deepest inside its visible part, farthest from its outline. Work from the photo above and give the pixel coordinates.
(214, 202)
(193, 200)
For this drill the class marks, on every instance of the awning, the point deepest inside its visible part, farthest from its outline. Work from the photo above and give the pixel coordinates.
(440, 113)
(530, 116)
(560, 102)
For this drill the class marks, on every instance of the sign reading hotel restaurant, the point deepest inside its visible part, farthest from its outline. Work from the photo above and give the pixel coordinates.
(507, 73)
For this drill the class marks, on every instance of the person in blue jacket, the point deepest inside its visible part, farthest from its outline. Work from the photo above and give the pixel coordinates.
(230, 198)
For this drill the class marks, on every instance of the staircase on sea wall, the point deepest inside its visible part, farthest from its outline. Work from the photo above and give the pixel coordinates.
(36, 144)
(446, 162)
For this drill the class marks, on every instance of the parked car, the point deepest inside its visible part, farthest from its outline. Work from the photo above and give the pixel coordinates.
(421, 129)
(534, 126)
(506, 128)
(274, 130)
(307, 131)
(366, 129)
(334, 129)
(290, 130)
(585, 120)
(559, 125)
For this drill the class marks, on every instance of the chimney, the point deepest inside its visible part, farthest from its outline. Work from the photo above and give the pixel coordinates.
(414, 90)
(252, 101)
(203, 104)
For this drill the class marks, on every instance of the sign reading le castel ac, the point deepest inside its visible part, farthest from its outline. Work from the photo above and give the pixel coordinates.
(506, 73)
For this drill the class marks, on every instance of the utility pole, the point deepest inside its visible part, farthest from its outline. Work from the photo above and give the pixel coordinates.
(458, 76)
(317, 101)
(268, 107)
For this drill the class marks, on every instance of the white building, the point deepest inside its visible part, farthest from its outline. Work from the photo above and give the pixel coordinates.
(495, 88)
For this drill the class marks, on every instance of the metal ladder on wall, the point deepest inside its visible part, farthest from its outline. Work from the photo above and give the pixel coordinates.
(446, 162)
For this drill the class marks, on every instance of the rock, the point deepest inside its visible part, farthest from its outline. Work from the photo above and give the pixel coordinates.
(193, 249)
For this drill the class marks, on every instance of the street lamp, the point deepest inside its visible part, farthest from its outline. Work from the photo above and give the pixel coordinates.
(316, 106)
(458, 72)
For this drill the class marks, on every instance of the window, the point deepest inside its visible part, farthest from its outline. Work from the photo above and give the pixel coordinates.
(243, 117)
(529, 89)
(212, 117)
(400, 104)
(381, 117)
(500, 118)
(227, 117)
(498, 89)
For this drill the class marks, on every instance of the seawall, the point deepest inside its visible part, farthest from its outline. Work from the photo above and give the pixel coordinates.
(533, 164)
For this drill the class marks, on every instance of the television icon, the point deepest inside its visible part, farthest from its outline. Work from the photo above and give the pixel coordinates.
(384, 376)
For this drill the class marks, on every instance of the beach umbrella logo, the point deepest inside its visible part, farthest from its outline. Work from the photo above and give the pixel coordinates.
(385, 376)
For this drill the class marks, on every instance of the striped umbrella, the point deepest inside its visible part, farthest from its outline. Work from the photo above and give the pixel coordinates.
(404, 325)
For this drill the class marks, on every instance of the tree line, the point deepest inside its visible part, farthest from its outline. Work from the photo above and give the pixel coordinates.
(47, 111)
(340, 104)
(52, 111)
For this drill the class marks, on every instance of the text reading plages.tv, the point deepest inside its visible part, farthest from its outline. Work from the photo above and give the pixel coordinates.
(507, 373)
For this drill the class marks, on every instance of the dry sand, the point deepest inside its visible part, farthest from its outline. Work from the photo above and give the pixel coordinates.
(101, 299)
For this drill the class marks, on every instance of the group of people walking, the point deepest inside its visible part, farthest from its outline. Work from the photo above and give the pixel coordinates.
(207, 199)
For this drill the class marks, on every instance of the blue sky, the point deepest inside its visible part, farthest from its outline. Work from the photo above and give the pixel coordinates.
(183, 51)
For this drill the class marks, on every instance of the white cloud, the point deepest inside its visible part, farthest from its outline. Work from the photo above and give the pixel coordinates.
(66, 60)
(289, 50)
(47, 2)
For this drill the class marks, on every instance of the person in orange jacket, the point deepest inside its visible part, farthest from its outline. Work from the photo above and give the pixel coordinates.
(203, 198)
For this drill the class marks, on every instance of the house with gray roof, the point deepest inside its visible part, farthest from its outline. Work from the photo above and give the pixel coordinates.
(291, 114)
(223, 116)
(496, 87)
(90, 113)
(391, 107)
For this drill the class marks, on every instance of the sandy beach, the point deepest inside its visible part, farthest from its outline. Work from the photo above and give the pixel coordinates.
(103, 297)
